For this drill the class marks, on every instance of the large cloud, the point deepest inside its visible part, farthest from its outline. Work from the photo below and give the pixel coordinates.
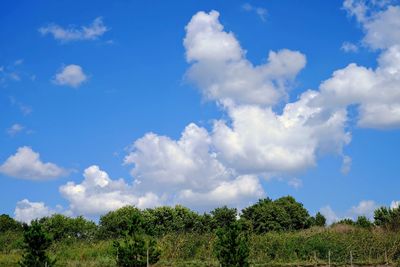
(98, 194)
(26, 164)
(222, 72)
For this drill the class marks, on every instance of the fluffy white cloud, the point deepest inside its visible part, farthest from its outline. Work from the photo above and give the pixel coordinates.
(26, 211)
(329, 214)
(364, 208)
(394, 204)
(222, 72)
(71, 75)
(376, 92)
(26, 164)
(98, 194)
(91, 32)
(260, 141)
(187, 171)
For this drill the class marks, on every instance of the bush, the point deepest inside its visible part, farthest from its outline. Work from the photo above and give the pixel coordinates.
(232, 246)
(36, 243)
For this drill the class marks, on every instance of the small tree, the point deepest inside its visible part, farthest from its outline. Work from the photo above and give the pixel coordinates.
(320, 220)
(36, 243)
(135, 249)
(231, 246)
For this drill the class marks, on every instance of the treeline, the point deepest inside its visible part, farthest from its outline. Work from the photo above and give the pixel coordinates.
(267, 215)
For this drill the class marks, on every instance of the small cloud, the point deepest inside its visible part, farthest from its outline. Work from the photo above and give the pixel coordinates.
(329, 214)
(346, 165)
(25, 110)
(18, 62)
(91, 32)
(295, 182)
(349, 47)
(259, 11)
(15, 129)
(364, 208)
(71, 75)
(26, 164)
(395, 204)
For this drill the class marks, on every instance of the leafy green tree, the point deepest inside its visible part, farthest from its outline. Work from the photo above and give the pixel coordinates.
(135, 249)
(115, 223)
(36, 242)
(320, 220)
(232, 245)
(346, 221)
(388, 218)
(9, 224)
(283, 214)
(224, 216)
(363, 222)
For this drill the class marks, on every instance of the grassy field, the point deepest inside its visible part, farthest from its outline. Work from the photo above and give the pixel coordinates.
(306, 248)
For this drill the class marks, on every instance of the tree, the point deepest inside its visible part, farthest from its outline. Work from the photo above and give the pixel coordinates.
(9, 224)
(363, 222)
(388, 218)
(231, 246)
(36, 243)
(283, 214)
(320, 220)
(116, 223)
(135, 249)
(222, 217)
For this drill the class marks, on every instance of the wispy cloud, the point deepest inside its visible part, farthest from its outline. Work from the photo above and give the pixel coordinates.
(259, 11)
(92, 32)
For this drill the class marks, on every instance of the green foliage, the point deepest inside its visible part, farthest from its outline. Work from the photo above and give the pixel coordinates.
(222, 217)
(320, 220)
(36, 243)
(9, 224)
(61, 227)
(232, 246)
(134, 250)
(388, 218)
(283, 214)
(115, 223)
(363, 221)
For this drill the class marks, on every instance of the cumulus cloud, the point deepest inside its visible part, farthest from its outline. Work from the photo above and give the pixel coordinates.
(71, 75)
(26, 164)
(98, 194)
(26, 211)
(188, 171)
(71, 33)
(364, 208)
(222, 72)
(395, 204)
(329, 214)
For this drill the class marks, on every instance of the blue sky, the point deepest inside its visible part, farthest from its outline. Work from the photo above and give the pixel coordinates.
(185, 102)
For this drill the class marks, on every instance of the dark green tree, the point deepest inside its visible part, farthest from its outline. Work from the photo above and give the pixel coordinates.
(115, 223)
(9, 224)
(363, 222)
(224, 216)
(135, 249)
(320, 220)
(232, 245)
(36, 242)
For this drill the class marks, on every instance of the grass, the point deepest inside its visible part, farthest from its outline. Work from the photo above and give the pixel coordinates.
(303, 248)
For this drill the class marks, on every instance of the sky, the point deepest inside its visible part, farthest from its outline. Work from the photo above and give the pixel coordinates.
(201, 103)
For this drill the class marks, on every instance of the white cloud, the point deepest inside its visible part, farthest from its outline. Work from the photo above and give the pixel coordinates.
(15, 129)
(346, 165)
(26, 164)
(98, 194)
(71, 75)
(364, 208)
(329, 214)
(26, 211)
(349, 47)
(187, 171)
(222, 72)
(91, 32)
(295, 182)
(259, 11)
(395, 204)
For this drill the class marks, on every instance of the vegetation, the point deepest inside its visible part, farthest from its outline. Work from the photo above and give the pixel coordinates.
(270, 232)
